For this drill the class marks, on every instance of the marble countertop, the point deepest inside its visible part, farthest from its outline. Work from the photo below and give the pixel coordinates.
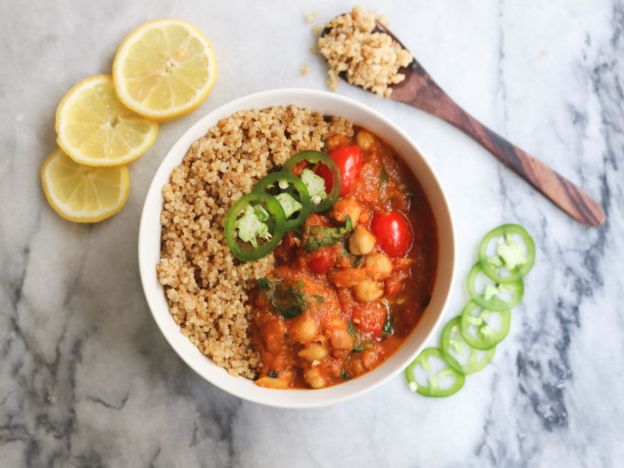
(86, 378)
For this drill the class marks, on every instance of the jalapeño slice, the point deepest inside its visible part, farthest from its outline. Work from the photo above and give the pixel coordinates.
(511, 258)
(308, 160)
(437, 377)
(254, 226)
(291, 193)
(491, 295)
(458, 353)
(482, 328)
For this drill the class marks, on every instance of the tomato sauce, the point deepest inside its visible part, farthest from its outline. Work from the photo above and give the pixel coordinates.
(330, 314)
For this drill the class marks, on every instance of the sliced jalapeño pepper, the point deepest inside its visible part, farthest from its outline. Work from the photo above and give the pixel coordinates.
(431, 375)
(507, 261)
(254, 226)
(493, 295)
(292, 195)
(321, 200)
(482, 328)
(458, 353)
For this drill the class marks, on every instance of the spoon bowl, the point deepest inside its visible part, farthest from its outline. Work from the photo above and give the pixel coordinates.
(419, 90)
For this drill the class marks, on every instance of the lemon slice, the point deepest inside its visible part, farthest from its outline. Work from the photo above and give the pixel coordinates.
(83, 194)
(94, 128)
(164, 69)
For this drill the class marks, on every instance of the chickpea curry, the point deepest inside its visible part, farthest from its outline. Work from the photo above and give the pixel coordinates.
(355, 245)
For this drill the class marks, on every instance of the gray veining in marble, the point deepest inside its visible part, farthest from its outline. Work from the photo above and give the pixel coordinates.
(86, 379)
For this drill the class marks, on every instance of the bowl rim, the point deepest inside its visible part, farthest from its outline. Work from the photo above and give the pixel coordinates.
(147, 222)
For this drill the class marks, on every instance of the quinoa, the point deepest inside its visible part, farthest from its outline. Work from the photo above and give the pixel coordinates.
(368, 59)
(205, 286)
(310, 16)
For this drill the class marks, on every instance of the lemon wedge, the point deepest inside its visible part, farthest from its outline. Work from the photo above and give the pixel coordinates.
(83, 194)
(164, 69)
(94, 128)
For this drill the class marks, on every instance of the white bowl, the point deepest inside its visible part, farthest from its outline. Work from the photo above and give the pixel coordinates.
(149, 250)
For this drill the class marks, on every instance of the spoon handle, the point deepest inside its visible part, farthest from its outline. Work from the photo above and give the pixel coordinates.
(420, 91)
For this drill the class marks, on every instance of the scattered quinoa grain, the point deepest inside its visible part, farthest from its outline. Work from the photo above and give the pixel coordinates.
(310, 16)
(205, 286)
(304, 70)
(368, 59)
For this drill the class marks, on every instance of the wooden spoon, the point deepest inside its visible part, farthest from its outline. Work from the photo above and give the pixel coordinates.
(420, 91)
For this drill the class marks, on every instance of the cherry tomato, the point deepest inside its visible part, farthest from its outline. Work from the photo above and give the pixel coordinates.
(349, 161)
(370, 318)
(393, 232)
(321, 260)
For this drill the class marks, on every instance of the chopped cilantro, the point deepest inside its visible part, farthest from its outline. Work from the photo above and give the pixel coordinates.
(362, 345)
(352, 330)
(323, 236)
(287, 300)
(388, 327)
(359, 344)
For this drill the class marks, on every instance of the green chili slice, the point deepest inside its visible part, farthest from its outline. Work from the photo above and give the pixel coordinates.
(493, 295)
(321, 200)
(468, 341)
(254, 226)
(510, 260)
(458, 353)
(431, 375)
(483, 329)
(292, 194)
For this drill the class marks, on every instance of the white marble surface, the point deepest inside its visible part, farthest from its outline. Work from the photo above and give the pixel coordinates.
(86, 379)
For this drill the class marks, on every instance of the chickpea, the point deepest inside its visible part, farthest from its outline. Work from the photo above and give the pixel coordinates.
(370, 358)
(347, 277)
(357, 368)
(365, 216)
(378, 266)
(304, 329)
(313, 352)
(346, 207)
(314, 378)
(340, 339)
(364, 139)
(368, 291)
(361, 241)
